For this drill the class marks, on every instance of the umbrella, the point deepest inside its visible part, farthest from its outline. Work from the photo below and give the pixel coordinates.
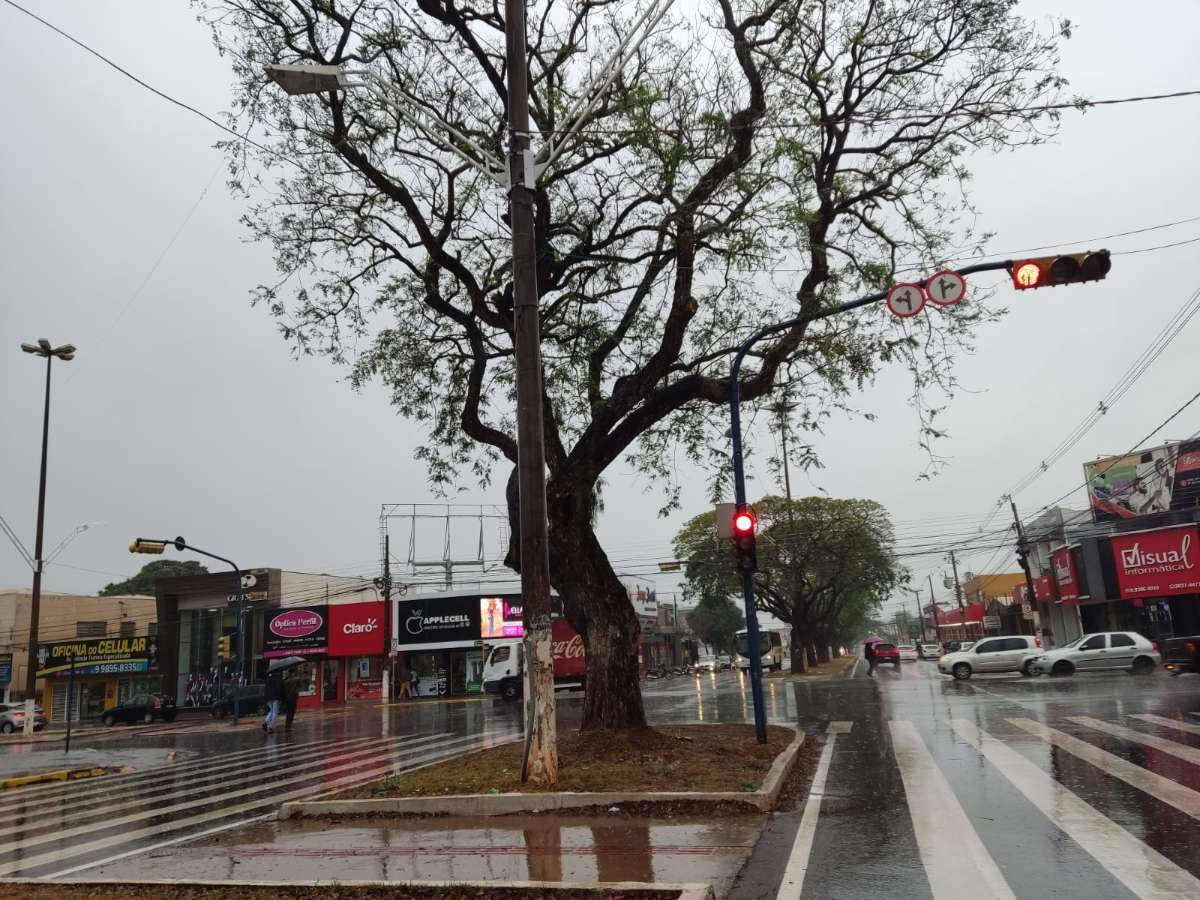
(872, 640)
(287, 662)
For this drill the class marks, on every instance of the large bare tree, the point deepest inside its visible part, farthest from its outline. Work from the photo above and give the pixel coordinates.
(754, 159)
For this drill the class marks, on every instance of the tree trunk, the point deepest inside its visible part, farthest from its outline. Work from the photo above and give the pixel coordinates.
(799, 657)
(822, 643)
(597, 605)
(810, 650)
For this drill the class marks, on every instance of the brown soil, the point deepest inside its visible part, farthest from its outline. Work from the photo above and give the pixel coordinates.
(796, 784)
(667, 758)
(133, 891)
(840, 666)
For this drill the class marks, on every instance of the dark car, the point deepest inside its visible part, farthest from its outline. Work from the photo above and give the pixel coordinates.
(1180, 654)
(141, 708)
(252, 700)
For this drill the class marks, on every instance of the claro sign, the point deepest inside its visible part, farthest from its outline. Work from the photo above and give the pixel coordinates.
(1161, 563)
(356, 629)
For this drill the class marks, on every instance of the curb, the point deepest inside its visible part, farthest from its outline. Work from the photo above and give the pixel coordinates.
(505, 804)
(687, 891)
(57, 775)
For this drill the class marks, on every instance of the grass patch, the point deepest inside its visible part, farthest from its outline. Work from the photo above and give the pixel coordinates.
(667, 758)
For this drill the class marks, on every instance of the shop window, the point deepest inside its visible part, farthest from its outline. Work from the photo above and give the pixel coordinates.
(128, 629)
(91, 629)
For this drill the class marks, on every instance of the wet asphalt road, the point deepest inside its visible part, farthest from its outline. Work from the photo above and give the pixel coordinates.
(1002, 787)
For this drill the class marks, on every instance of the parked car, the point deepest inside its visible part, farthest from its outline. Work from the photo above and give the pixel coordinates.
(908, 652)
(1181, 654)
(12, 717)
(929, 651)
(1105, 651)
(253, 700)
(141, 708)
(886, 652)
(1011, 653)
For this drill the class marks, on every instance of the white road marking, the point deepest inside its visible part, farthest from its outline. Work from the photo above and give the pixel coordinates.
(956, 862)
(269, 781)
(1171, 748)
(1183, 799)
(797, 865)
(332, 787)
(1185, 727)
(1141, 868)
(857, 663)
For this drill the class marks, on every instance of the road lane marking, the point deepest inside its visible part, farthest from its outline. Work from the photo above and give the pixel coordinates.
(1182, 798)
(1185, 727)
(350, 781)
(1138, 866)
(797, 864)
(956, 862)
(103, 791)
(1172, 748)
(375, 749)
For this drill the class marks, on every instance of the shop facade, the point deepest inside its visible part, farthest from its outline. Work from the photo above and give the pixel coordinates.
(442, 641)
(90, 676)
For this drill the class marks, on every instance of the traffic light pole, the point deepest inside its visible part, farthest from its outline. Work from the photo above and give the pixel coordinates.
(739, 473)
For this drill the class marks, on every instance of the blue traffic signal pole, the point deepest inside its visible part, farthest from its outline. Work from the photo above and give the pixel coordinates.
(739, 473)
(180, 544)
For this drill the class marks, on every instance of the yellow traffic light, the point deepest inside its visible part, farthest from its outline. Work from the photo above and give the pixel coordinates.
(1051, 271)
(225, 646)
(140, 546)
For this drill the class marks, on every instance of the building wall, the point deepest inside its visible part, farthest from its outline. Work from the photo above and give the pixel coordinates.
(58, 617)
(309, 589)
(990, 587)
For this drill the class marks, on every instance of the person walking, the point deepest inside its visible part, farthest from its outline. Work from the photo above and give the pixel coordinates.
(273, 695)
(291, 699)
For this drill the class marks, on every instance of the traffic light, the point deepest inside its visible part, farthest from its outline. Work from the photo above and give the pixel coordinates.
(141, 546)
(744, 525)
(225, 646)
(1051, 271)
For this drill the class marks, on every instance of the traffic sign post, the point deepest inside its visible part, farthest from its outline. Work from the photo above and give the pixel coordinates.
(946, 288)
(906, 300)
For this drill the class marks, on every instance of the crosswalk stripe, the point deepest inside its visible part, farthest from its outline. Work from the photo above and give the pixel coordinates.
(1186, 727)
(454, 748)
(20, 796)
(103, 790)
(1182, 798)
(374, 749)
(797, 864)
(1171, 748)
(956, 862)
(1141, 868)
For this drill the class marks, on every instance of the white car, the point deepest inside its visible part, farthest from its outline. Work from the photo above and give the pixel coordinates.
(908, 653)
(1011, 653)
(1126, 650)
(931, 651)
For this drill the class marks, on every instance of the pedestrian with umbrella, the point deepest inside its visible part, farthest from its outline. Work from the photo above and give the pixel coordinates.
(274, 691)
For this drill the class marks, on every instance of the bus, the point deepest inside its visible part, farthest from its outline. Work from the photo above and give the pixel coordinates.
(772, 644)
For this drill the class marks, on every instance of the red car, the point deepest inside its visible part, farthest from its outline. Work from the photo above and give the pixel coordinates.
(884, 652)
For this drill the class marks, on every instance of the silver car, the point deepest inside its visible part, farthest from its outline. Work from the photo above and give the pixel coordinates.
(12, 718)
(1109, 650)
(1011, 653)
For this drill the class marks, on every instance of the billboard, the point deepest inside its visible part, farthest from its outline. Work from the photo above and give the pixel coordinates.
(100, 656)
(500, 617)
(1159, 563)
(433, 622)
(1149, 481)
(299, 631)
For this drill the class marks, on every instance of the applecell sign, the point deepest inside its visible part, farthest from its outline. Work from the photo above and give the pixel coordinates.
(1162, 562)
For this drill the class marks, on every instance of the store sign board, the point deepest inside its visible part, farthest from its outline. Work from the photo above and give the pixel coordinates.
(1066, 573)
(1043, 588)
(1159, 563)
(501, 617)
(5, 668)
(356, 629)
(567, 646)
(98, 656)
(438, 620)
(298, 631)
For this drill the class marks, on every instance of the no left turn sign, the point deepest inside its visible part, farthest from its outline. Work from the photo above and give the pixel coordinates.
(946, 288)
(906, 300)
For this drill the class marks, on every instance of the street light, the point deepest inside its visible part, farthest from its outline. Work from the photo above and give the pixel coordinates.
(66, 353)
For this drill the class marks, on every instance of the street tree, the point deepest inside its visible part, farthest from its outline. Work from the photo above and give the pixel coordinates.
(143, 581)
(716, 620)
(751, 160)
(823, 567)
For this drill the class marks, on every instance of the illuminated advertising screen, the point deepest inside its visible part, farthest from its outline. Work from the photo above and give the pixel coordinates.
(500, 618)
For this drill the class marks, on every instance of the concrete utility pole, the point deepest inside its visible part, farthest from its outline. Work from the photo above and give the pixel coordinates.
(541, 751)
(937, 631)
(962, 612)
(1022, 554)
(387, 618)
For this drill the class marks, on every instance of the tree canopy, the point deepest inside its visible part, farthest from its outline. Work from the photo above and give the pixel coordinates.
(143, 581)
(823, 566)
(716, 620)
(753, 159)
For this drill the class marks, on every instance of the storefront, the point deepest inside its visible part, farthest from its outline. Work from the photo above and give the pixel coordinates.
(1157, 576)
(444, 641)
(107, 672)
(343, 645)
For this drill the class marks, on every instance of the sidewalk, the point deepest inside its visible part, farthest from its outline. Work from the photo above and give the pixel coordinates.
(22, 761)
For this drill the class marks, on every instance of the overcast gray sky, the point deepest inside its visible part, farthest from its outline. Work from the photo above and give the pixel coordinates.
(184, 413)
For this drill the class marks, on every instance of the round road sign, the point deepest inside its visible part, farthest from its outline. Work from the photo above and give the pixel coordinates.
(906, 300)
(946, 288)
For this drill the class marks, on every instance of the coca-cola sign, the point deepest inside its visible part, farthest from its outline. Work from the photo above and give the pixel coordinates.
(299, 631)
(568, 649)
(1160, 563)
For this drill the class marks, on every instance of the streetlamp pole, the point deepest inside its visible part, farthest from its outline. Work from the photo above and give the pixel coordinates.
(66, 353)
(739, 473)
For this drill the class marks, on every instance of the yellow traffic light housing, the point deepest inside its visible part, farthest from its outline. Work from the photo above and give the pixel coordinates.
(225, 646)
(140, 546)
(1069, 268)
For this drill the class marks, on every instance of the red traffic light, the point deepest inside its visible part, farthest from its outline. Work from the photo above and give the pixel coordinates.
(1027, 275)
(1068, 268)
(743, 523)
